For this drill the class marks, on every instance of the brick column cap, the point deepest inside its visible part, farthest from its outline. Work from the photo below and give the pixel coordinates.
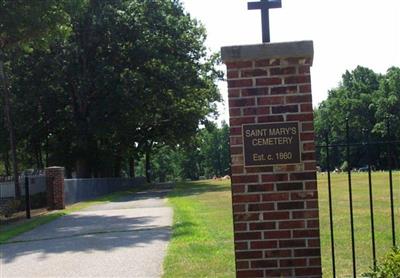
(303, 49)
(54, 167)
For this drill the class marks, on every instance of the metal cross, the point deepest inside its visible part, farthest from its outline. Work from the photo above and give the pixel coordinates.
(264, 6)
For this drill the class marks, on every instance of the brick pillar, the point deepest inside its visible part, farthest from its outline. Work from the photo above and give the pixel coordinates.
(55, 187)
(274, 188)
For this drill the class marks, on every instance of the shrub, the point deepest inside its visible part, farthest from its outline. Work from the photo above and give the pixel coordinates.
(9, 207)
(389, 267)
(38, 200)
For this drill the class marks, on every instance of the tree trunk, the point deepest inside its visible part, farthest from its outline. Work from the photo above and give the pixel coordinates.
(82, 168)
(10, 124)
(131, 167)
(46, 156)
(7, 163)
(38, 157)
(117, 166)
(148, 170)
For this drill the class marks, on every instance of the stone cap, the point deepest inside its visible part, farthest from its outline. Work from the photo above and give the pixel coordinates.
(268, 51)
(54, 169)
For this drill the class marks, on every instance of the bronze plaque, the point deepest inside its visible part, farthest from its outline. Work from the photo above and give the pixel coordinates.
(271, 144)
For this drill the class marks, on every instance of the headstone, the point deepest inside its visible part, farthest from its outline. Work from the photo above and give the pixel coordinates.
(274, 187)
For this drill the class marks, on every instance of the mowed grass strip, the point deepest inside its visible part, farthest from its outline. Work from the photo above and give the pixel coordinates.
(202, 239)
(362, 220)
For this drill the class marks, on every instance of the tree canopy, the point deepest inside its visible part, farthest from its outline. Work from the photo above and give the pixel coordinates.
(371, 103)
(34, 23)
(24, 26)
(130, 75)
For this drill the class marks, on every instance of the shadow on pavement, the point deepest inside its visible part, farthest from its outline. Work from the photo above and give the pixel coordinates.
(118, 225)
(143, 195)
(87, 244)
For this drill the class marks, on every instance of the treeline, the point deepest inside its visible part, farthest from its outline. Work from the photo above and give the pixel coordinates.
(206, 156)
(370, 102)
(112, 82)
(367, 101)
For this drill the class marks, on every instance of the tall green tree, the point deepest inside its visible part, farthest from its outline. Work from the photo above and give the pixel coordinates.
(388, 110)
(132, 75)
(214, 149)
(25, 25)
(4, 146)
(387, 104)
(203, 156)
(367, 100)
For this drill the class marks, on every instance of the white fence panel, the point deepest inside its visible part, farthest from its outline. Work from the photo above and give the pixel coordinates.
(37, 184)
(7, 189)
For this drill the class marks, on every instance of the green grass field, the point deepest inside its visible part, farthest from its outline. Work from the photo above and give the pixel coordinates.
(202, 242)
(341, 218)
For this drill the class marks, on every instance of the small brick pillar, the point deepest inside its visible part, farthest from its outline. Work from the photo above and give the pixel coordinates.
(55, 188)
(274, 188)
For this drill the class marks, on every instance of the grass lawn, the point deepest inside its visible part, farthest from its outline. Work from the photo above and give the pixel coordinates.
(8, 231)
(341, 218)
(202, 241)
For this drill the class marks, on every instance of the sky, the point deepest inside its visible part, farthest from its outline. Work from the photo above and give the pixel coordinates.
(346, 33)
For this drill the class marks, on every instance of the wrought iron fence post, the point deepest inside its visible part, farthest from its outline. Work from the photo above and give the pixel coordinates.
(371, 199)
(27, 198)
(353, 249)
(330, 204)
(389, 154)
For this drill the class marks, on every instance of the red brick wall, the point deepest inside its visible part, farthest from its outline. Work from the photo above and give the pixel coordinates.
(275, 207)
(55, 188)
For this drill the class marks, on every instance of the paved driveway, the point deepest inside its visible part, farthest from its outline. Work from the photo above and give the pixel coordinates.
(125, 238)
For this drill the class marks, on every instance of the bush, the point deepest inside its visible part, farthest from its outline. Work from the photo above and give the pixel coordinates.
(9, 207)
(389, 267)
(38, 200)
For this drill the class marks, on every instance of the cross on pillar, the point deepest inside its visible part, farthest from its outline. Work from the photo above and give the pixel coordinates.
(264, 6)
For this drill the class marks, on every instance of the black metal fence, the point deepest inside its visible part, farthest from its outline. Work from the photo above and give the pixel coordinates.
(390, 147)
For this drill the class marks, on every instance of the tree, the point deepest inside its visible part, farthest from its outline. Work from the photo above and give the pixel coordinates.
(388, 110)
(204, 155)
(131, 75)
(24, 25)
(387, 103)
(4, 146)
(214, 150)
(366, 99)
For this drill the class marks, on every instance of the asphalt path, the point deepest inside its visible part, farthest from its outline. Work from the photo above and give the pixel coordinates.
(124, 238)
